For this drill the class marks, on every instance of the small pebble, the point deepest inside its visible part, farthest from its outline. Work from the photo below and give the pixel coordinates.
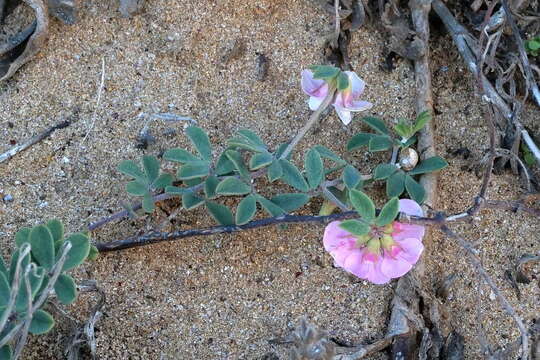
(8, 198)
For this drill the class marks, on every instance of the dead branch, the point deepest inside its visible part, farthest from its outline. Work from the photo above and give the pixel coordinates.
(462, 38)
(32, 141)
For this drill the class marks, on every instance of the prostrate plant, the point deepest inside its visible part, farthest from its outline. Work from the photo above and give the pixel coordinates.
(38, 266)
(239, 172)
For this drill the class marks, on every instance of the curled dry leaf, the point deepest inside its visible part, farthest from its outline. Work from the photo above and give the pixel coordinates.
(23, 46)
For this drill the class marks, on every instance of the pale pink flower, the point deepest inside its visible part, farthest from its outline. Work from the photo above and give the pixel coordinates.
(345, 102)
(348, 100)
(385, 253)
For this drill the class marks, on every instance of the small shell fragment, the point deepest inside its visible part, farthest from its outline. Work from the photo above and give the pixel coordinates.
(408, 158)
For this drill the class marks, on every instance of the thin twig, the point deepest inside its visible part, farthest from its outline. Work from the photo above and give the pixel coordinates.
(475, 262)
(312, 121)
(529, 77)
(32, 141)
(98, 101)
(461, 38)
(365, 350)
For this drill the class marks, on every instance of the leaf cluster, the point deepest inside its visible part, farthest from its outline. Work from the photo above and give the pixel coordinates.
(40, 263)
(397, 179)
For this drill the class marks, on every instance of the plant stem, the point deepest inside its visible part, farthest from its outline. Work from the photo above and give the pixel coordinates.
(312, 121)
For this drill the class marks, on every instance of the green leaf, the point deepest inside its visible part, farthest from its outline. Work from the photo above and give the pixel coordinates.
(292, 176)
(388, 212)
(359, 140)
(6, 353)
(313, 165)
(355, 227)
(281, 148)
(163, 181)
(190, 201)
(291, 201)
(200, 140)
(252, 137)
(415, 190)
(35, 280)
(13, 266)
(136, 188)
(533, 45)
(328, 154)
(5, 290)
(260, 160)
(275, 171)
(403, 129)
(41, 323)
(3, 268)
(233, 186)
(380, 143)
(220, 213)
(243, 143)
(194, 182)
(376, 124)
(224, 166)
(42, 246)
(193, 170)
(210, 186)
(238, 162)
(175, 190)
(342, 81)
(362, 204)
(56, 228)
(80, 247)
(151, 167)
(65, 289)
(148, 203)
(434, 163)
(246, 210)
(271, 208)
(421, 120)
(384, 171)
(408, 143)
(395, 184)
(324, 71)
(93, 253)
(129, 168)
(351, 177)
(22, 236)
(179, 155)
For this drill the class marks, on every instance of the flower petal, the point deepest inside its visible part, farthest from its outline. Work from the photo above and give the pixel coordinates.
(353, 263)
(376, 276)
(313, 87)
(357, 84)
(359, 106)
(412, 249)
(394, 267)
(334, 236)
(315, 102)
(410, 207)
(406, 231)
(344, 115)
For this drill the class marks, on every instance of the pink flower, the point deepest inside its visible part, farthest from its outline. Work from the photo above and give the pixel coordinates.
(345, 102)
(383, 254)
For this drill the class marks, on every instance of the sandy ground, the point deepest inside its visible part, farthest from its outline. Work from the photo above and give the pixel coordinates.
(225, 297)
